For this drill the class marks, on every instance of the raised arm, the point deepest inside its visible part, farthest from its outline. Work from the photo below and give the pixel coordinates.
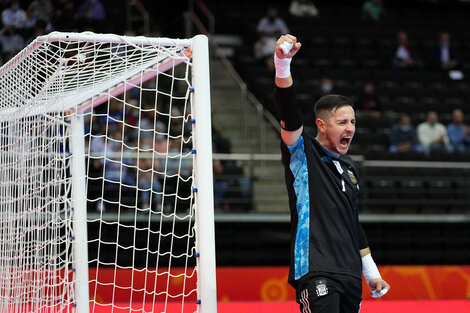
(284, 94)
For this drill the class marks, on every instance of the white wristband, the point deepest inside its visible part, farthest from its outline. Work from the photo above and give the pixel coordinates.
(369, 269)
(282, 66)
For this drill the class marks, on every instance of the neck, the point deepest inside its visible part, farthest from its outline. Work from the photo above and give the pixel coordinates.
(322, 141)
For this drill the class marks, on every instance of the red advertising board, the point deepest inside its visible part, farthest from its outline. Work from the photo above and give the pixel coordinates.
(407, 283)
(270, 284)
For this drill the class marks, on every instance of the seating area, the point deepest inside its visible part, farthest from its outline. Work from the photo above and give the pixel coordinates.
(414, 190)
(340, 45)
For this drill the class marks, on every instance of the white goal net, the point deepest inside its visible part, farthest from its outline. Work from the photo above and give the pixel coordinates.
(106, 198)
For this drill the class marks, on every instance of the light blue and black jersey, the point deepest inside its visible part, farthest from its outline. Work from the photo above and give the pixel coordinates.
(326, 235)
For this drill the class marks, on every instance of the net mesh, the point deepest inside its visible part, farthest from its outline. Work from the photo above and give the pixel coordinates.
(135, 100)
(35, 227)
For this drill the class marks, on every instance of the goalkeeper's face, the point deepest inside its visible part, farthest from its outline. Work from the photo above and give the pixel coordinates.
(339, 129)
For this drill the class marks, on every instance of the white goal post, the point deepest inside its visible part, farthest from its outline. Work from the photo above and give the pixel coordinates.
(106, 192)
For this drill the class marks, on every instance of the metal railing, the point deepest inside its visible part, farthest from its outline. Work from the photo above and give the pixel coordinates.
(247, 97)
(201, 6)
(254, 193)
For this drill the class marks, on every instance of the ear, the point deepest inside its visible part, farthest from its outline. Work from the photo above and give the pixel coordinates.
(321, 125)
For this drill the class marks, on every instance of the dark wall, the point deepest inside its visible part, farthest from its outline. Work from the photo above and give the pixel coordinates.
(267, 244)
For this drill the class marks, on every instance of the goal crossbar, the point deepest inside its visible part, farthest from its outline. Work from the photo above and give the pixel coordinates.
(59, 96)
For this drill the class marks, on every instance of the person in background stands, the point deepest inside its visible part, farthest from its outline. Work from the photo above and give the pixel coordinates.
(458, 132)
(39, 11)
(403, 57)
(373, 10)
(303, 8)
(14, 15)
(445, 53)
(10, 41)
(368, 103)
(91, 15)
(403, 136)
(269, 28)
(326, 88)
(432, 135)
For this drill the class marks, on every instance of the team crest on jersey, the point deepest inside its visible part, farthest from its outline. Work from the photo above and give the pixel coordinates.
(321, 288)
(352, 178)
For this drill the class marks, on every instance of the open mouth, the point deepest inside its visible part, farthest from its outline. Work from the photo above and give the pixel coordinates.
(345, 140)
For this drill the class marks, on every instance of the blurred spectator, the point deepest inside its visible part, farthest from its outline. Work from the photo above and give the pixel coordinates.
(47, 7)
(39, 11)
(115, 113)
(240, 186)
(114, 146)
(432, 135)
(269, 29)
(178, 126)
(176, 162)
(303, 8)
(150, 188)
(177, 182)
(39, 29)
(326, 88)
(220, 185)
(373, 10)
(11, 42)
(91, 10)
(91, 15)
(445, 54)
(161, 138)
(146, 124)
(116, 168)
(232, 189)
(14, 15)
(458, 132)
(403, 57)
(220, 143)
(132, 109)
(368, 103)
(403, 136)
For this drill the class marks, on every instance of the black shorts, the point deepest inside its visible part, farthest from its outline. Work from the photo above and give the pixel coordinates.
(330, 293)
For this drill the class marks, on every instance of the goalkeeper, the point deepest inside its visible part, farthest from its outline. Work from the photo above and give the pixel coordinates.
(329, 249)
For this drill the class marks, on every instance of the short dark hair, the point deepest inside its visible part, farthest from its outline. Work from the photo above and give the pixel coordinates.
(331, 102)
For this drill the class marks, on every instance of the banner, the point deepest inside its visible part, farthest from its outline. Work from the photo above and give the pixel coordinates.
(407, 283)
(270, 284)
